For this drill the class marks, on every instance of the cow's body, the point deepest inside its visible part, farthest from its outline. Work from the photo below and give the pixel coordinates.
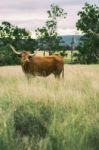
(40, 65)
(44, 66)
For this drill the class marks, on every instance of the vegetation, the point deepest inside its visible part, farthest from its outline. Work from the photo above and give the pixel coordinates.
(48, 39)
(47, 35)
(49, 114)
(89, 25)
(20, 38)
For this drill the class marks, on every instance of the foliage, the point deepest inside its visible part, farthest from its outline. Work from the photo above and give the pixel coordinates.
(20, 38)
(30, 122)
(47, 35)
(7, 57)
(89, 25)
(9, 33)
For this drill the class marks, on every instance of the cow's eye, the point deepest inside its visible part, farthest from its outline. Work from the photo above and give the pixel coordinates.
(29, 57)
(19, 56)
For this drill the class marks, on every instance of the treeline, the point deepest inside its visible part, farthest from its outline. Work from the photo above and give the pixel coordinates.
(48, 38)
(20, 38)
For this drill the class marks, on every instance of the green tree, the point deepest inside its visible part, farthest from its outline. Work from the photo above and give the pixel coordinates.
(48, 35)
(89, 25)
(20, 38)
(6, 32)
(14, 35)
(42, 36)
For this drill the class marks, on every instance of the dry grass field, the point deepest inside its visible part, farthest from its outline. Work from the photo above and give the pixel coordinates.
(50, 114)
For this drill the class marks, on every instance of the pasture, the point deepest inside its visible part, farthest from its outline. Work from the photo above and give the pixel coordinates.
(50, 114)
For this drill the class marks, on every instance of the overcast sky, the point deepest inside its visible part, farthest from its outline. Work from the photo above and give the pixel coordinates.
(33, 13)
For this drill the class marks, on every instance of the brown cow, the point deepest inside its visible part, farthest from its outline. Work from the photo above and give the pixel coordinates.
(40, 65)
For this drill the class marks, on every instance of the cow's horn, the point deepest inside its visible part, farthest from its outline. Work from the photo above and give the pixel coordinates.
(18, 53)
(34, 52)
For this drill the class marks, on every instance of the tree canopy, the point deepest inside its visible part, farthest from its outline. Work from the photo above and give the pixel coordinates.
(48, 34)
(89, 25)
(20, 38)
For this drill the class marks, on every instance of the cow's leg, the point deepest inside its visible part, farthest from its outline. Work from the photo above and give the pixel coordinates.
(28, 78)
(57, 76)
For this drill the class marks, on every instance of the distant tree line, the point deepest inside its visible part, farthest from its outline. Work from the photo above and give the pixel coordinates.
(48, 38)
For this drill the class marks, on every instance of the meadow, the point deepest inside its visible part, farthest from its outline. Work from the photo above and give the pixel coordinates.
(50, 114)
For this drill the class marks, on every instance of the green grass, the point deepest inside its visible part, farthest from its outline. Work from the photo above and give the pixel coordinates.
(50, 114)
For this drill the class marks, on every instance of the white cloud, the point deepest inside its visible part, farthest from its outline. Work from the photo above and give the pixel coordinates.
(69, 31)
(33, 13)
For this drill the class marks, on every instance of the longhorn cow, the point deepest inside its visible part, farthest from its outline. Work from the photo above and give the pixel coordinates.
(40, 65)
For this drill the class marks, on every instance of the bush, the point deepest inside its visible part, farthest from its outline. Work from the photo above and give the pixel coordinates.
(7, 57)
(30, 122)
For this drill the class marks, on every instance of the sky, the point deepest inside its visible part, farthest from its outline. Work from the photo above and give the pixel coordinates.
(32, 14)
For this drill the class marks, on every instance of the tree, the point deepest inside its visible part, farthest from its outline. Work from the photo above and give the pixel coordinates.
(89, 25)
(20, 38)
(11, 34)
(42, 36)
(48, 34)
(6, 32)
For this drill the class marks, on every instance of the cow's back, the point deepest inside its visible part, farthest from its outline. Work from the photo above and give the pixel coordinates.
(45, 65)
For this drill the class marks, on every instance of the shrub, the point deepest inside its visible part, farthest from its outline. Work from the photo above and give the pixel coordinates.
(31, 120)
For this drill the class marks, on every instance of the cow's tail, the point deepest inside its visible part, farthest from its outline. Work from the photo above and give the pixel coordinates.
(63, 73)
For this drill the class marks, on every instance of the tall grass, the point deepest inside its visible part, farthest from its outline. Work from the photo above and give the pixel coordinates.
(50, 114)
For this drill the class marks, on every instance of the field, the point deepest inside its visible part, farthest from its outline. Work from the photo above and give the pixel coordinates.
(50, 114)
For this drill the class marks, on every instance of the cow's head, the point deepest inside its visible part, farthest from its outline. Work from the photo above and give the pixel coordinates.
(24, 56)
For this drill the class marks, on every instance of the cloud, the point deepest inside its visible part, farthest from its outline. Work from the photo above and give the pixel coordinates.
(23, 4)
(33, 5)
(33, 13)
